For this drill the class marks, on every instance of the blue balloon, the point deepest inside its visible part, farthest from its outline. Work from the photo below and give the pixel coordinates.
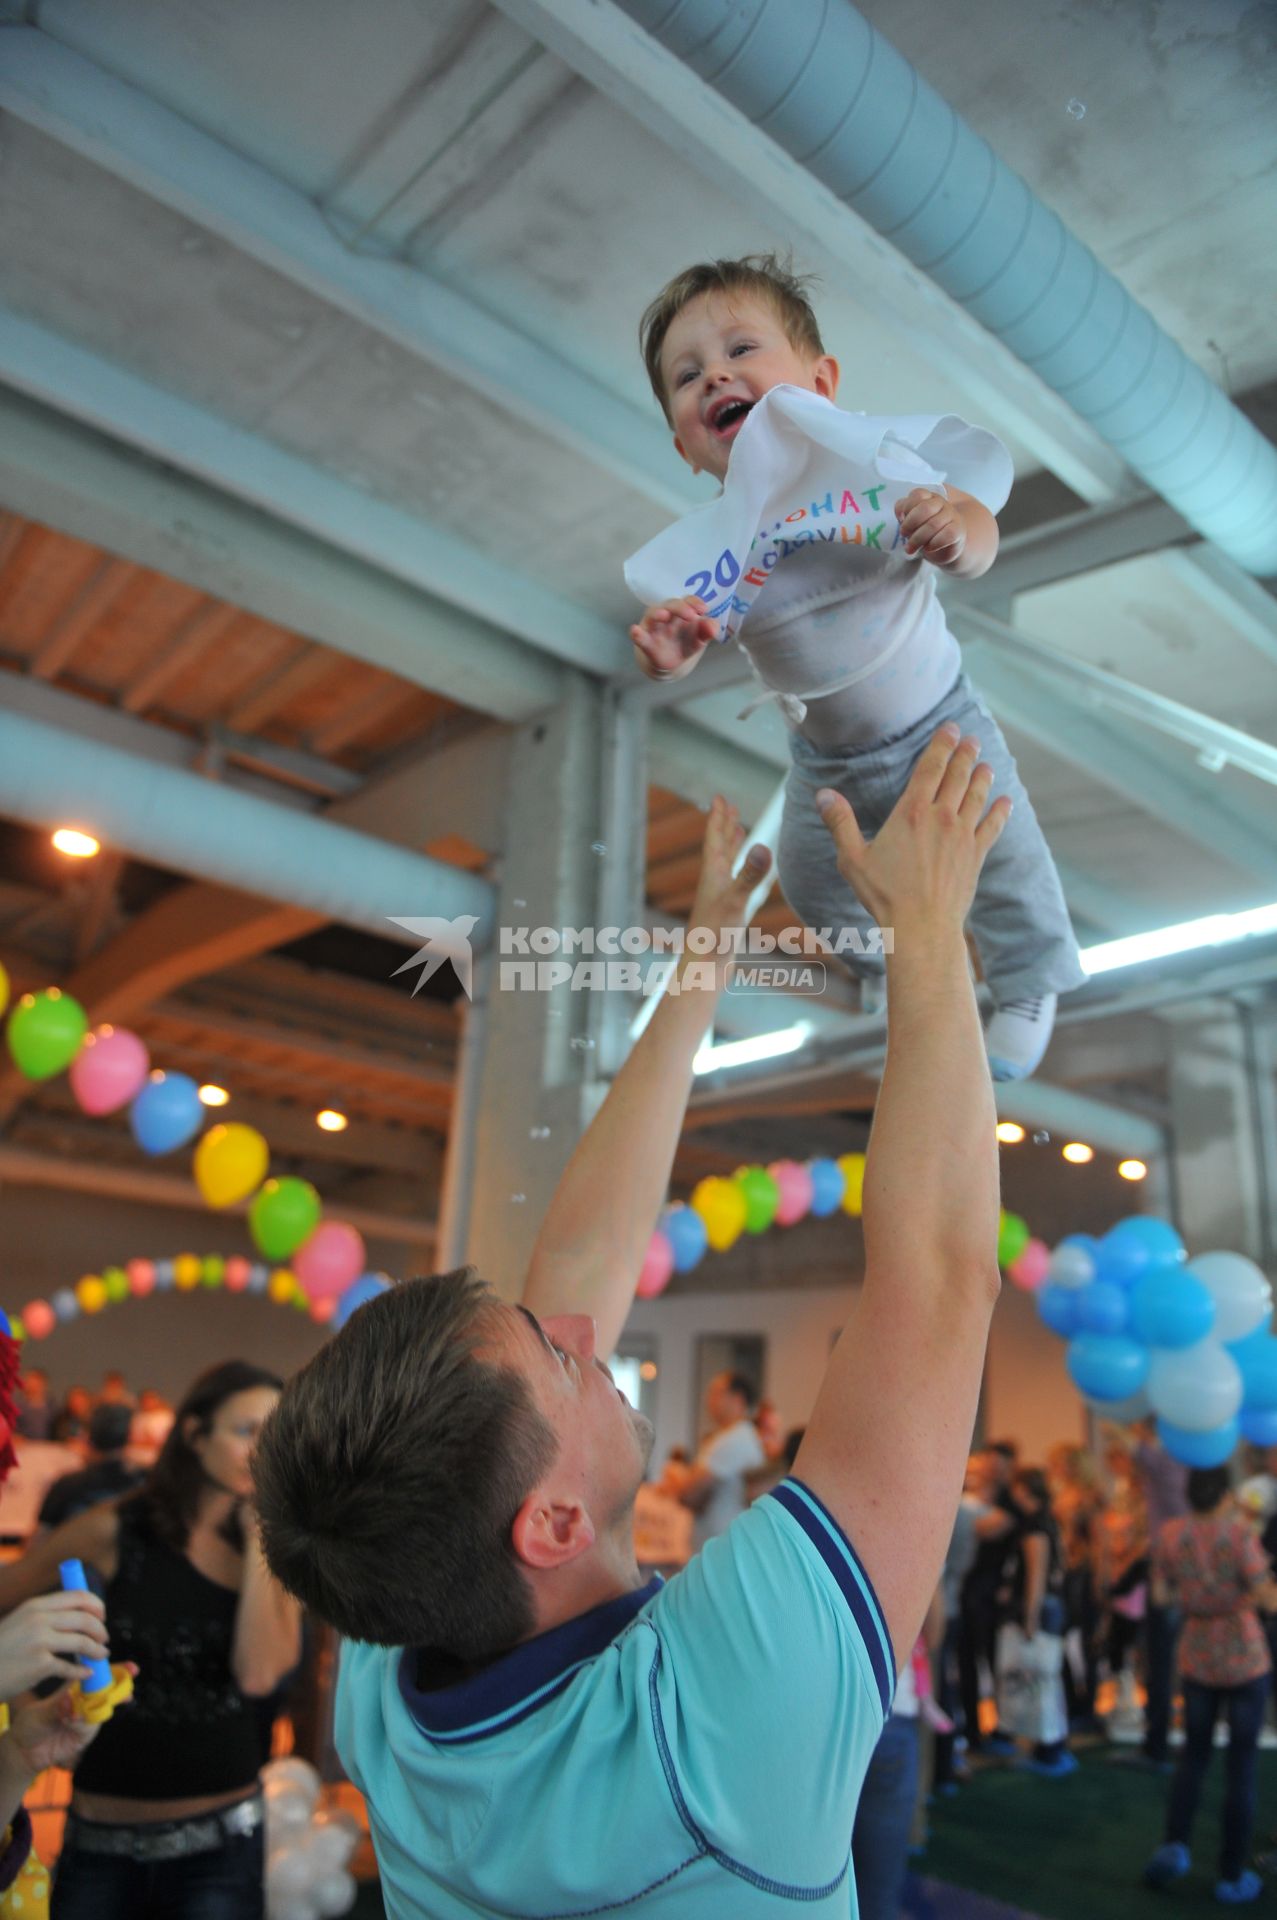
(1249, 1343)
(1170, 1308)
(1058, 1308)
(1102, 1307)
(167, 1113)
(364, 1289)
(1108, 1366)
(258, 1277)
(687, 1235)
(65, 1304)
(1260, 1426)
(1132, 1246)
(4, 1323)
(827, 1187)
(163, 1275)
(1257, 1358)
(1209, 1449)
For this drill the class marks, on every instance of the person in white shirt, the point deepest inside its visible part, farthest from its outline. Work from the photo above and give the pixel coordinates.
(715, 1487)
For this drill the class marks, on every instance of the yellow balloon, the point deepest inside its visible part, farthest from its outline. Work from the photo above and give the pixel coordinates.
(4, 989)
(721, 1205)
(852, 1168)
(91, 1293)
(188, 1270)
(282, 1286)
(230, 1163)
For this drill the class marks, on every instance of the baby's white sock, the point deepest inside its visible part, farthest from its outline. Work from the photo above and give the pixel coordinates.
(1017, 1036)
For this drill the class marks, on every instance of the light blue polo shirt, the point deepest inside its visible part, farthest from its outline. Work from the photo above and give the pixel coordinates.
(690, 1749)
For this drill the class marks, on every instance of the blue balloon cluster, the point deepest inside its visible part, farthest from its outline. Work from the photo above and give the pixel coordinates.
(1150, 1332)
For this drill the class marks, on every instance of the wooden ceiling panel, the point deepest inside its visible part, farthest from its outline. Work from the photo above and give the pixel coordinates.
(133, 630)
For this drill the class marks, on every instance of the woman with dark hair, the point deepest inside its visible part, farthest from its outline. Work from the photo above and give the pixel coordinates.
(166, 1813)
(1211, 1565)
(1031, 1638)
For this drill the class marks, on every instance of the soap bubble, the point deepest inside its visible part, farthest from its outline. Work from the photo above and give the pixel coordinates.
(1076, 110)
(582, 1043)
(517, 1199)
(1041, 1138)
(598, 847)
(538, 1133)
(520, 903)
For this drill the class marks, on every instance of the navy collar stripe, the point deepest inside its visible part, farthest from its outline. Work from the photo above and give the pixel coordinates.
(516, 1684)
(841, 1558)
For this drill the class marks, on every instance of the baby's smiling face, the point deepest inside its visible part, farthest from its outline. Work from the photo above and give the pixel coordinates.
(721, 354)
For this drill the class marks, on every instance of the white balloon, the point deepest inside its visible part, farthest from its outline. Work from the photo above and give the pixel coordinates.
(1243, 1298)
(287, 1815)
(336, 1893)
(1071, 1267)
(302, 1908)
(1197, 1388)
(333, 1845)
(292, 1774)
(290, 1872)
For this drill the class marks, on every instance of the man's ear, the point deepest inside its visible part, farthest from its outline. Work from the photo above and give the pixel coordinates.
(547, 1533)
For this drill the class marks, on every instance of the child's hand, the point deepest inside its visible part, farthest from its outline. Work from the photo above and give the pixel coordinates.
(932, 526)
(671, 638)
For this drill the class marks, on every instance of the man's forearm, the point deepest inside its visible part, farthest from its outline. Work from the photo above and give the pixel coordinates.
(931, 1177)
(590, 1248)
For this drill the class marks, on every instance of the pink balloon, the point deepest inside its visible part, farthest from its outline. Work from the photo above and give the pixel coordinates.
(1030, 1270)
(658, 1265)
(39, 1319)
(794, 1182)
(330, 1260)
(236, 1272)
(109, 1069)
(141, 1277)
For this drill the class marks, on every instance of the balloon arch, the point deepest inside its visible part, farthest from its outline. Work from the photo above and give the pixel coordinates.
(188, 1273)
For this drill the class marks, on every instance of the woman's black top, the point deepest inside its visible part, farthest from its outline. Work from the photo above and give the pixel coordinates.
(188, 1730)
(1017, 1565)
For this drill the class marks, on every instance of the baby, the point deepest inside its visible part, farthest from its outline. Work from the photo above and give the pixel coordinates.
(849, 635)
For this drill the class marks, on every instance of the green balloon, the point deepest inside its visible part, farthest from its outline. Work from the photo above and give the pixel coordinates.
(1013, 1238)
(212, 1270)
(762, 1197)
(116, 1282)
(283, 1215)
(45, 1033)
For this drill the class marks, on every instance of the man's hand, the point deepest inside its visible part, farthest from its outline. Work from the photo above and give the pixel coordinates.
(924, 864)
(50, 1638)
(933, 526)
(670, 639)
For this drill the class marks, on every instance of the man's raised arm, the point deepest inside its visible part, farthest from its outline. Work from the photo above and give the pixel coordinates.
(589, 1252)
(887, 1442)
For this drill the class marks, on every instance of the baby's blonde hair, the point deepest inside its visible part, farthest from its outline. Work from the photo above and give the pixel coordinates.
(762, 274)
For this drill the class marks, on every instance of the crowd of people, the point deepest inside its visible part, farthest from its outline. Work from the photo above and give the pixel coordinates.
(1081, 1600)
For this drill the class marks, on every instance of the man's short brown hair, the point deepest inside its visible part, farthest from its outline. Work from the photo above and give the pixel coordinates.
(762, 274)
(391, 1470)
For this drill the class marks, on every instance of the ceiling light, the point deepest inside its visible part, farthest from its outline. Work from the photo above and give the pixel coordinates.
(1132, 1169)
(1078, 1152)
(81, 846)
(762, 1046)
(214, 1096)
(1215, 930)
(1010, 1132)
(331, 1121)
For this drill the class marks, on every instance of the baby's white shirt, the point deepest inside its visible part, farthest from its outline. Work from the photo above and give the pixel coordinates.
(866, 623)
